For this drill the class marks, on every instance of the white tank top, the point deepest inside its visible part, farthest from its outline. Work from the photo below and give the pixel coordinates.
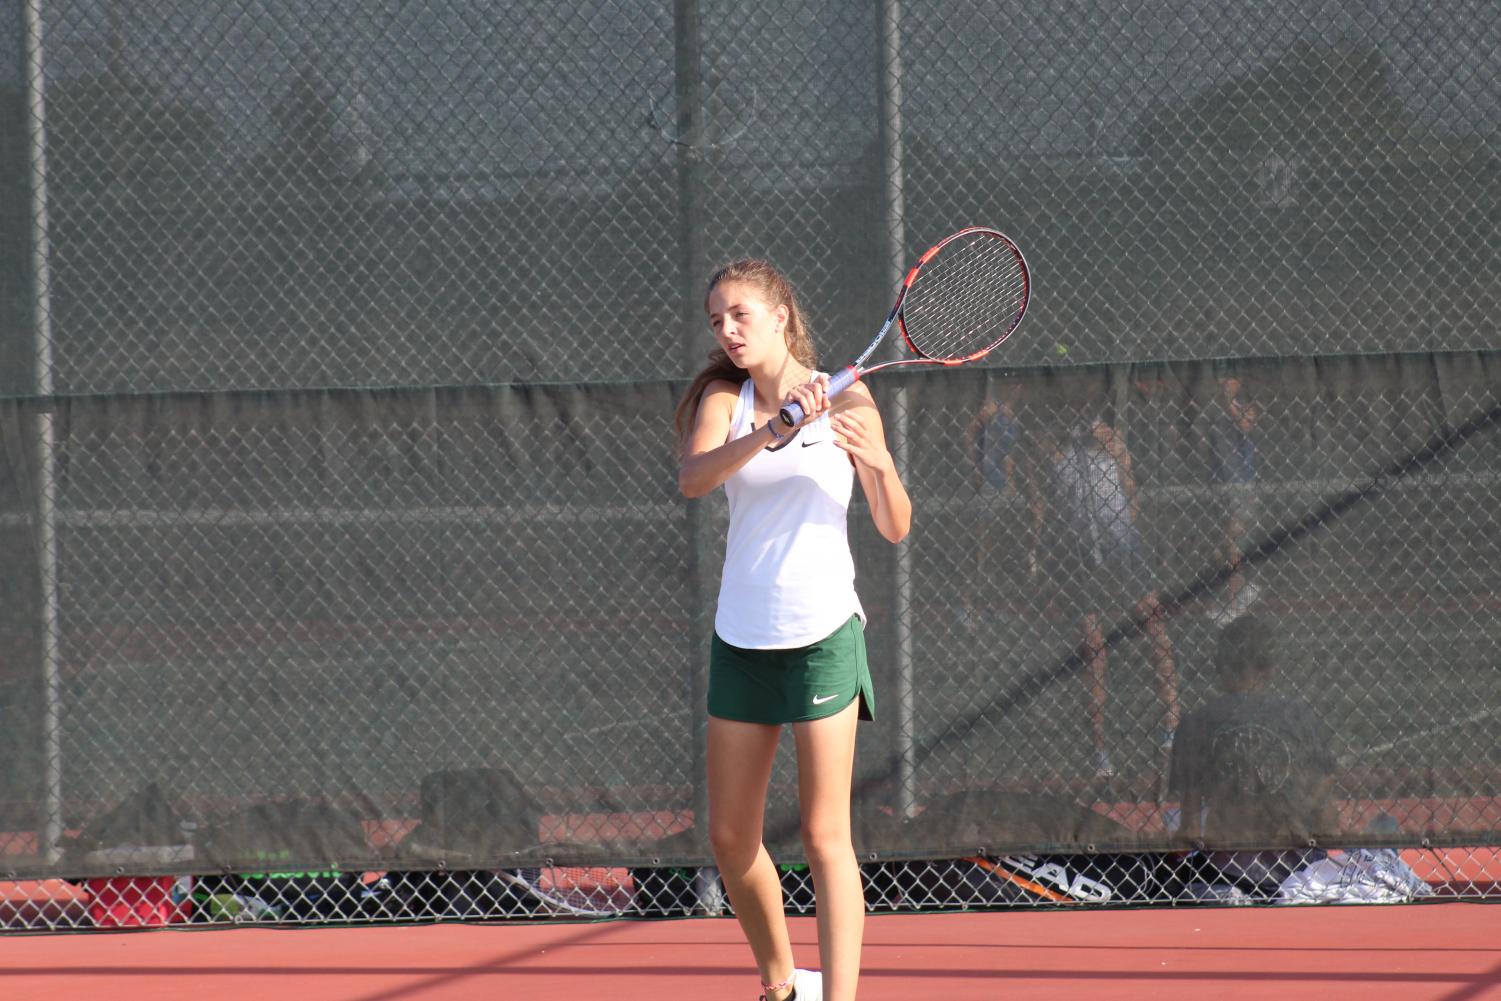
(789, 579)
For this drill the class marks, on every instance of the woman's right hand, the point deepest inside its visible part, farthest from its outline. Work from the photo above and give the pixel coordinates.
(813, 397)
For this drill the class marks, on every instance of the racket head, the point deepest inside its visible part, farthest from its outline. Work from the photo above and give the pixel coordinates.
(965, 296)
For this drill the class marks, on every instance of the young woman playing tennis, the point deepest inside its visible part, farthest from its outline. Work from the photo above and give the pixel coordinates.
(789, 643)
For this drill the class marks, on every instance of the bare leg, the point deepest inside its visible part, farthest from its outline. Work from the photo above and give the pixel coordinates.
(1096, 660)
(1236, 559)
(825, 766)
(740, 757)
(1150, 608)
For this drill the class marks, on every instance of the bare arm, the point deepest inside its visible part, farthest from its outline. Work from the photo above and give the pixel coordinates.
(860, 432)
(1116, 446)
(1326, 819)
(972, 438)
(1036, 504)
(1191, 826)
(708, 459)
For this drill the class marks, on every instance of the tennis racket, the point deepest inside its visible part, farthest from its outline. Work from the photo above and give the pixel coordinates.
(961, 299)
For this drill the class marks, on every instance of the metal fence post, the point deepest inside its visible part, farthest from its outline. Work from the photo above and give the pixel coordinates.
(687, 78)
(890, 102)
(46, 437)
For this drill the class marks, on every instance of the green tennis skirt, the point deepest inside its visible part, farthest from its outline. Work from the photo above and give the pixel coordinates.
(789, 686)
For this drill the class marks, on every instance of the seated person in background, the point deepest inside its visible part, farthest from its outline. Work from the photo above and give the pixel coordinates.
(1251, 767)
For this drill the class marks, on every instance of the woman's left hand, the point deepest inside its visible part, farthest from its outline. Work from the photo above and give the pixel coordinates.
(853, 435)
(859, 431)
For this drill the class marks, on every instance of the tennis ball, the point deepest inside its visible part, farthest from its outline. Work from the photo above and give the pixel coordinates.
(1062, 350)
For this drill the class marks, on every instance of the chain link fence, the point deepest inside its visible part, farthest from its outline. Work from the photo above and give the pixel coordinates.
(344, 570)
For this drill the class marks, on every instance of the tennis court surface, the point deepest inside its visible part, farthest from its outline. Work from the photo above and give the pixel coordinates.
(1421, 952)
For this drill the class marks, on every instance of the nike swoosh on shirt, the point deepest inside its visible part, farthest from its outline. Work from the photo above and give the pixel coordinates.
(819, 700)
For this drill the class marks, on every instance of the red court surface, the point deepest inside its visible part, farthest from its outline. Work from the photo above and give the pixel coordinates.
(1432, 952)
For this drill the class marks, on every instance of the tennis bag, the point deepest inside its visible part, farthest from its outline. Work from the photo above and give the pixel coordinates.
(142, 828)
(475, 812)
(998, 878)
(1100, 878)
(289, 852)
(468, 819)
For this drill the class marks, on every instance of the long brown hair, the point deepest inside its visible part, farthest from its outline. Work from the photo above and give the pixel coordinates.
(773, 288)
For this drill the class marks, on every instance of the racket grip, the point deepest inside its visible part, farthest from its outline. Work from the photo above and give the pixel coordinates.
(840, 381)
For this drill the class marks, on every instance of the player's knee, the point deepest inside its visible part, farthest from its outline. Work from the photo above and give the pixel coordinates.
(735, 849)
(826, 843)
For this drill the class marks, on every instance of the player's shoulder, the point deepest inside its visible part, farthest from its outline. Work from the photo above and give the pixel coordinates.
(718, 387)
(716, 405)
(721, 393)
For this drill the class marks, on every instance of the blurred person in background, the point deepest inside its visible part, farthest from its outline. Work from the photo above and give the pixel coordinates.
(1232, 457)
(1092, 555)
(993, 440)
(1253, 766)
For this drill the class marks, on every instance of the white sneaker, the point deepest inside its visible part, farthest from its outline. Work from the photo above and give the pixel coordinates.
(1245, 598)
(807, 986)
(1103, 767)
(1224, 614)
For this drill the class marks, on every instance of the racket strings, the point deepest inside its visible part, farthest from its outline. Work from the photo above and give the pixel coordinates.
(966, 299)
